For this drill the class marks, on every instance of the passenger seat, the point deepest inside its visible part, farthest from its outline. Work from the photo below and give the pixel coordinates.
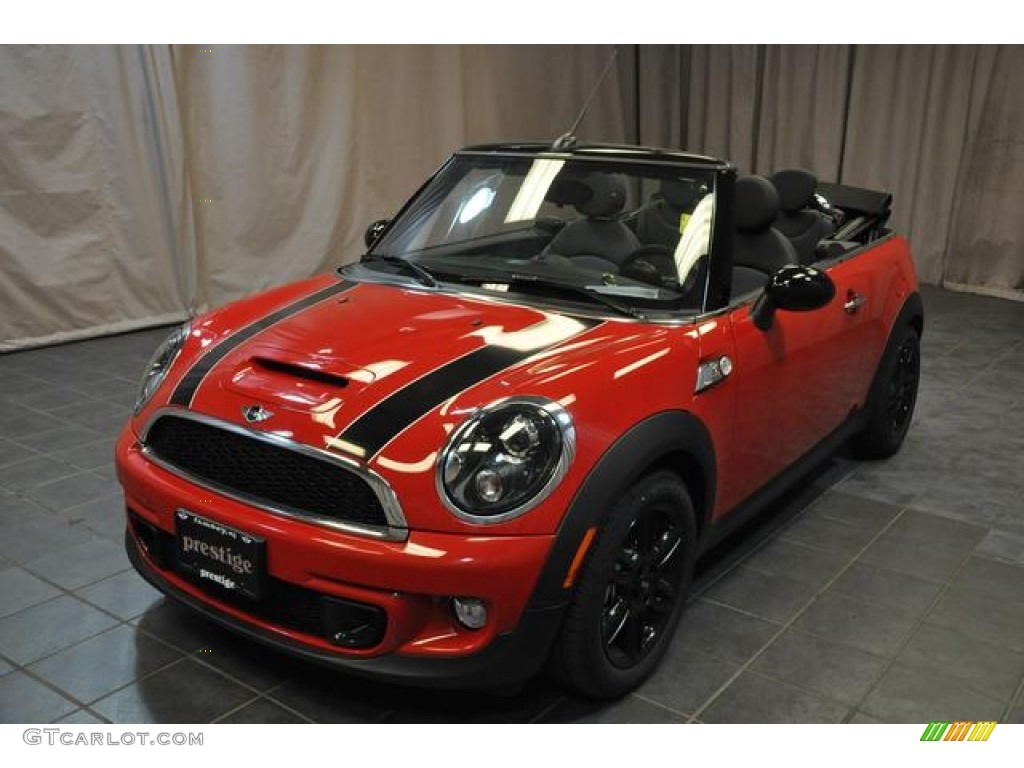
(797, 220)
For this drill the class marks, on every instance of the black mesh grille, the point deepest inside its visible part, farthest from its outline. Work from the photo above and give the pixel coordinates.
(344, 622)
(263, 472)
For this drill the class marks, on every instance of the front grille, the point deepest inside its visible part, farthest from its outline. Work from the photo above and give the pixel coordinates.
(345, 623)
(268, 474)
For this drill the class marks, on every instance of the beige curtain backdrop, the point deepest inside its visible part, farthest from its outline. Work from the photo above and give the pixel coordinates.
(140, 183)
(941, 127)
(137, 183)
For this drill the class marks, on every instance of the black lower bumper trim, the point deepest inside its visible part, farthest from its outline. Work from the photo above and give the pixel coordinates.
(510, 659)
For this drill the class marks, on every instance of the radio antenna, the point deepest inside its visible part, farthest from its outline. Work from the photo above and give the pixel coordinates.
(568, 139)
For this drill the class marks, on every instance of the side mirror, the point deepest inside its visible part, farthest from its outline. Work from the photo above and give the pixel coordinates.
(374, 231)
(794, 289)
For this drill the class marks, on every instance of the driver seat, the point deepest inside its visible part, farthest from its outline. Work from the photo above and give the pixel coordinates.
(599, 241)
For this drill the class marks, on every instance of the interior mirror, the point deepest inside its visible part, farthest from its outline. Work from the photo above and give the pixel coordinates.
(794, 289)
(374, 231)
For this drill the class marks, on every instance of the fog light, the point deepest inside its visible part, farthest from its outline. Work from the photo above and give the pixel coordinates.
(470, 611)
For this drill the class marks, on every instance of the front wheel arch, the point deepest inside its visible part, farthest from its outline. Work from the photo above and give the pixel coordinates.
(673, 440)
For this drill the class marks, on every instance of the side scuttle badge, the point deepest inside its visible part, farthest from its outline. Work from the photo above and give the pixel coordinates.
(710, 372)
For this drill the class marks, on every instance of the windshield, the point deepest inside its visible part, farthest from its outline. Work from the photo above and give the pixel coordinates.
(636, 235)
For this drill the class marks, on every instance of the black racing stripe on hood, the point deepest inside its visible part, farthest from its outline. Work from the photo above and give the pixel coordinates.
(186, 389)
(382, 423)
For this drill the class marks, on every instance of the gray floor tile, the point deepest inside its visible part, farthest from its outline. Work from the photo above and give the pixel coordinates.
(935, 531)
(872, 483)
(60, 495)
(81, 717)
(88, 456)
(181, 627)
(5, 668)
(720, 631)
(911, 695)
(185, 692)
(859, 718)
(262, 711)
(630, 709)
(336, 698)
(81, 565)
(990, 669)
(24, 700)
(824, 533)
(20, 589)
(685, 680)
(27, 422)
(798, 562)
(255, 665)
(32, 472)
(67, 436)
(1002, 545)
(39, 537)
(767, 595)
(883, 588)
(51, 399)
(105, 517)
(837, 671)
(980, 616)
(49, 627)
(126, 595)
(103, 663)
(855, 511)
(756, 699)
(925, 561)
(12, 453)
(997, 580)
(844, 620)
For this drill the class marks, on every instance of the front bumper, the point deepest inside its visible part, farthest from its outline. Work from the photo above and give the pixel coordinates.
(411, 582)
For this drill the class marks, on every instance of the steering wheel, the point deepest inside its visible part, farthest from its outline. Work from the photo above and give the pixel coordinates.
(653, 264)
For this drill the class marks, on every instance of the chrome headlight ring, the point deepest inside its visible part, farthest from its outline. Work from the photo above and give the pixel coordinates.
(505, 459)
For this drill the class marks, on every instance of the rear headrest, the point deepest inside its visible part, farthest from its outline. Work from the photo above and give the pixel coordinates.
(757, 203)
(795, 188)
(682, 194)
(607, 195)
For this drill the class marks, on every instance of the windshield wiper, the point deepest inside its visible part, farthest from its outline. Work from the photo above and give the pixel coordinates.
(579, 290)
(423, 277)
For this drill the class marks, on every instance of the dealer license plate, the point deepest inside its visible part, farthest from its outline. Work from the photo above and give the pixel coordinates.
(214, 553)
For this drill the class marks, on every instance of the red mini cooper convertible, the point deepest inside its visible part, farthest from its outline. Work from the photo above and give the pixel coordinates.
(501, 440)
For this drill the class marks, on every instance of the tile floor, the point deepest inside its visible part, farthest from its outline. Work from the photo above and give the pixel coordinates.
(889, 591)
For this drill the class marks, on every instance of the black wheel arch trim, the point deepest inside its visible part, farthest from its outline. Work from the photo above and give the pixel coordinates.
(646, 445)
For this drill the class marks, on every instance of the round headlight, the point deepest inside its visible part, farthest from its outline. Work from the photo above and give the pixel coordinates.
(159, 364)
(505, 459)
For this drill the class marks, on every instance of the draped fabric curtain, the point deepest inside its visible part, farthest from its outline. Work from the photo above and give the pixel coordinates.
(139, 183)
(939, 126)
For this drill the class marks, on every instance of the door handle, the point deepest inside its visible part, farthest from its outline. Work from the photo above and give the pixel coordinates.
(854, 301)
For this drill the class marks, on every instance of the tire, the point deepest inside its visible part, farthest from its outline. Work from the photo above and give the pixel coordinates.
(890, 406)
(631, 591)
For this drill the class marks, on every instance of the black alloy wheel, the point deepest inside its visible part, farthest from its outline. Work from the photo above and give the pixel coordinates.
(890, 406)
(902, 392)
(642, 590)
(630, 593)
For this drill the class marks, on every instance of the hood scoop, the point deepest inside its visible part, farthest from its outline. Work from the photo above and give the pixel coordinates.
(296, 382)
(298, 371)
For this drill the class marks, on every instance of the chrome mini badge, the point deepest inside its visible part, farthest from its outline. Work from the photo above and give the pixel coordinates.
(254, 414)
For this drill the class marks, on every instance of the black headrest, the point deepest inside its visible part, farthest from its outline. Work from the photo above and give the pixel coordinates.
(607, 195)
(795, 188)
(757, 203)
(682, 194)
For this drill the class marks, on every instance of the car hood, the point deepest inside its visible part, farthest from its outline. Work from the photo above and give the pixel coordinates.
(347, 366)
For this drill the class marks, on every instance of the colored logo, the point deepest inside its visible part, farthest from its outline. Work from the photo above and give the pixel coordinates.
(959, 731)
